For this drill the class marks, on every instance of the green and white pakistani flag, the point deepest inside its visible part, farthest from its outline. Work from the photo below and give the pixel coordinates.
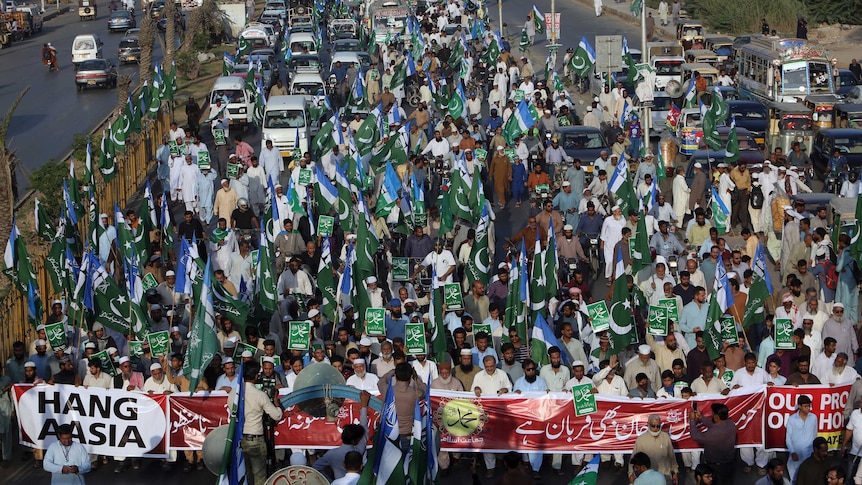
(583, 59)
(492, 52)
(538, 20)
(641, 255)
(731, 154)
(111, 304)
(457, 102)
(259, 106)
(524, 44)
(367, 135)
(479, 265)
(622, 332)
(537, 278)
(714, 116)
(265, 280)
(16, 261)
(720, 213)
(541, 339)
(203, 343)
(589, 475)
(229, 306)
(323, 141)
(107, 160)
(119, 132)
(519, 122)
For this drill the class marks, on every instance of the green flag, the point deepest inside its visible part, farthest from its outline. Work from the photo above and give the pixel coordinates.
(399, 76)
(459, 196)
(367, 135)
(731, 155)
(16, 262)
(589, 475)
(133, 114)
(641, 255)
(266, 281)
(524, 43)
(119, 132)
(44, 228)
(326, 282)
(622, 332)
(538, 21)
(437, 327)
(366, 247)
(550, 263)
(538, 283)
(583, 59)
(203, 343)
(234, 309)
(479, 265)
(712, 336)
(754, 305)
(55, 265)
(457, 102)
(492, 53)
(324, 141)
(112, 307)
(715, 115)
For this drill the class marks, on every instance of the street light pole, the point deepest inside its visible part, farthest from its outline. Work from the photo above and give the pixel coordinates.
(500, 13)
(646, 118)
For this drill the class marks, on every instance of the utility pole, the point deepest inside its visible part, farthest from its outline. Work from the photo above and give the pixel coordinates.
(553, 46)
(500, 13)
(646, 116)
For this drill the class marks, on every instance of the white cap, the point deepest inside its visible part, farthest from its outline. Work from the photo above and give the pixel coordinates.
(358, 362)
(278, 186)
(371, 279)
(568, 227)
(29, 363)
(807, 316)
(155, 306)
(313, 313)
(616, 208)
(698, 165)
(155, 366)
(175, 329)
(365, 341)
(644, 349)
(41, 343)
(838, 304)
(225, 181)
(566, 183)
(247, 354)
(112, 350)
(170, 273)
(124, 359)
(578, 363)
(589, 109)
(409, 300)
(226, 360)
(269, 359)
(90, 345)
(40, 327)
(722, 165)
(229, 343)
(98, 326)
(466, 352)
(499, 147)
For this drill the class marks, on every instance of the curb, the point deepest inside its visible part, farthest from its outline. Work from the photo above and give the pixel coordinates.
(56, 13)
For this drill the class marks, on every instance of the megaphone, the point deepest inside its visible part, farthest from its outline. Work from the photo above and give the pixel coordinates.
(673, 88)
(320, 374)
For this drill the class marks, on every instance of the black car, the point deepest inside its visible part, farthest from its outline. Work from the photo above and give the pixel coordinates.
(848, 140)
(129, 49)
(583, 142)
(750, 115)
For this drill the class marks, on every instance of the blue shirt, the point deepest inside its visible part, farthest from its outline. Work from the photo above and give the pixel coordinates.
(43, 370)
(479, 356)
(650, 477)
(692, 317)
(590, 225)
(800, 435)
(538, 386)
(395, 327)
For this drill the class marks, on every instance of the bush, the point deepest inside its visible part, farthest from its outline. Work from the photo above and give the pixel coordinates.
(835, 11)
(187, 63)
(48, 180)
(743, 16)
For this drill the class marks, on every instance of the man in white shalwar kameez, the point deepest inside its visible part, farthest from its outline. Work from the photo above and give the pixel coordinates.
(681, 194)
(612, 234)
(187, 184)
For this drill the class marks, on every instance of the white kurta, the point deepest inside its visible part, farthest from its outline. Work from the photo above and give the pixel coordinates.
(176, 164)
(611, 235)
(725, 185)
(188, 182)
(681, 194)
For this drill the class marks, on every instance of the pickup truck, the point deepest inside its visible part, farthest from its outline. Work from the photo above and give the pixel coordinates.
(22, 23)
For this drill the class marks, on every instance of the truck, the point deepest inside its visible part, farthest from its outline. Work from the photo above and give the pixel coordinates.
(21, 23)
(234, 17)
(666, 58)
(35, 16)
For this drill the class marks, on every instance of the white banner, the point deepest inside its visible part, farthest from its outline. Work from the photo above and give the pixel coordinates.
(109, 422)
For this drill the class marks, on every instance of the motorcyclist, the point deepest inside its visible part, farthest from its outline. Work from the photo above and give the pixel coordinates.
(838, 163)
(49, 56)
(798, 158)
(590, 224)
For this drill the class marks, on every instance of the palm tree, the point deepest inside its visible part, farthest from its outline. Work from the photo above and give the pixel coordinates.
(147, 40)
(8, 184)
(169, 13)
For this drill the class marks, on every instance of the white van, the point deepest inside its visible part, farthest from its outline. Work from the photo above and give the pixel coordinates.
(299, 41)
(285, 118)
(85, 47)
(240, 103)
(309, 84)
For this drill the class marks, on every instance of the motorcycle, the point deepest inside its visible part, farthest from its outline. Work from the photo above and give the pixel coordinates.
(593, 252)
(673, 265)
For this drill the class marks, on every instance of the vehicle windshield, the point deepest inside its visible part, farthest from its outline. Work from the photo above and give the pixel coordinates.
(84, 44)
(304, 62)
(303, 47)
(798, 76)
(725, 51)
(661, 103)
(851, 144)
(116, 14)
(306, 88)
(692, 120)
(795, 122)
(580, 141)
(284, 119)
(128, 43)
(228, 96)
(347, 47)
(668, 68)
(748, 114)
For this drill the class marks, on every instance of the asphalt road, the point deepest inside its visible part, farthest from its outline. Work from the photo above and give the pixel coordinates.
(53, 109)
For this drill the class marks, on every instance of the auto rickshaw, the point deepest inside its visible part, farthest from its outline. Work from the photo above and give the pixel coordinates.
(848, 115)
(822, 105)
(689, 34)
(723, 48)
(87, 10)
(789, 122)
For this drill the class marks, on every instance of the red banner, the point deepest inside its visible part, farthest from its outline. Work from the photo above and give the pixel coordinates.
(547, 423)
(301, 430)
(827, 404)
(193, 417)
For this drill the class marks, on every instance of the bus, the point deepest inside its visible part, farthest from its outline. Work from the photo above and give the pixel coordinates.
(784, 70)
(388, 19)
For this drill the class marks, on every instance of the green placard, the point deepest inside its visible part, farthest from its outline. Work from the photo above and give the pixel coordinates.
(375, 321)
(160, 342)
(672, 309)
(368, 182)
(728, 330)
(481, 153)
(510, 153)
(483, 327)
(254, 255)
(175, 149)
(452, 297)
(149, 281)
(300, 335)
(56, 335)
(232, 170)
(276, 358)
(419, 220)
(107, 364)
(783, 334)
(414, 339)
(519, 95)
(304, 176)
(657, 320)
(584, 400)
(325, 225)
(203, 159)
(220, 139)
(136, 350)
(600, 318)
(543, 188)
(678, 387)
(400, 269)
(242, 347)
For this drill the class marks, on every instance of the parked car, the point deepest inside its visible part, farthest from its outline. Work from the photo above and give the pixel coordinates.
(121, 20)
(583, 142)
(96, 72)
(129, 49)
(846, 81)
(848, 140)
